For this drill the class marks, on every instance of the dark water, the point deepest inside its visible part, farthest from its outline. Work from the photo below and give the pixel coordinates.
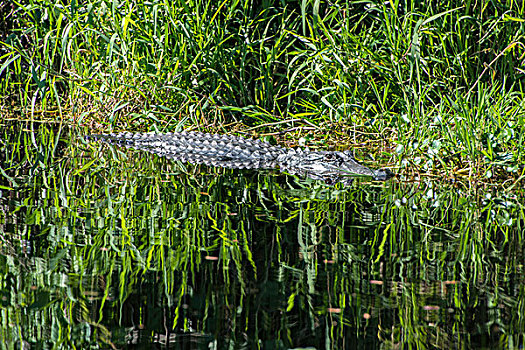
(108, 248)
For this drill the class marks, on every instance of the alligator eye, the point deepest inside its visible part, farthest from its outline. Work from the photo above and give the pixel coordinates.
(329, 156)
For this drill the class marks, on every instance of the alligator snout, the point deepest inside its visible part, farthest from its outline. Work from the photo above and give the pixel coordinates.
(383, 174)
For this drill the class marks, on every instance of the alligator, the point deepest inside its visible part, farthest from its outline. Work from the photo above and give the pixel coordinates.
(237, 152)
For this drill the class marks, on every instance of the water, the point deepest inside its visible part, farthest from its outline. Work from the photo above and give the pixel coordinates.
(103, 247)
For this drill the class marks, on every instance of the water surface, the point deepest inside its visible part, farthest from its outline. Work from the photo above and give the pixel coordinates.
(105, 247)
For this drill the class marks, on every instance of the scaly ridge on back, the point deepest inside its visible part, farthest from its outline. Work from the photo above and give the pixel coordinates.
(200, 148)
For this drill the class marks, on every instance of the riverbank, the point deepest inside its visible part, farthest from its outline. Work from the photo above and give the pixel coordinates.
(434, 90)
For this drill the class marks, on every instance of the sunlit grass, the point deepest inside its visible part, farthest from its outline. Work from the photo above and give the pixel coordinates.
(434, 89)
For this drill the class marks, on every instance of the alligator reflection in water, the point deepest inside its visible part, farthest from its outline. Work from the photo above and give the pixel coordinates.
(237, 152)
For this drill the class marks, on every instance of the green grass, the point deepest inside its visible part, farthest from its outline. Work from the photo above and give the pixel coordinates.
(432, 89)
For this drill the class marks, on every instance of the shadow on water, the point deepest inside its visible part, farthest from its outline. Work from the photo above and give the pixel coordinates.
(105, 247)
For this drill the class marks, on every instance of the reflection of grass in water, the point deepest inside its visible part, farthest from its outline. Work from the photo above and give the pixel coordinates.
(123, 241)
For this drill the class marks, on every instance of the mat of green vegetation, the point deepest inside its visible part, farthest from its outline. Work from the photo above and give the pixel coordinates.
(427, 87)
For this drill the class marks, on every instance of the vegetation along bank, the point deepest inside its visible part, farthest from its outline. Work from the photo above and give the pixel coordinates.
(429, 88)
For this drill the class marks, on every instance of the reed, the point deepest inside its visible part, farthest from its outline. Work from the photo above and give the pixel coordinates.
(430, 87)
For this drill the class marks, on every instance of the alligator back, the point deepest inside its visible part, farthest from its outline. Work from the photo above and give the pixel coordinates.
(200, 148)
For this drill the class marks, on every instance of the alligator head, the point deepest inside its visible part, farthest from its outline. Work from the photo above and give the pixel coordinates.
(328, 166)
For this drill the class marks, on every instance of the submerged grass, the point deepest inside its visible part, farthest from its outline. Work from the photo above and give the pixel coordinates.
(430, 87)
